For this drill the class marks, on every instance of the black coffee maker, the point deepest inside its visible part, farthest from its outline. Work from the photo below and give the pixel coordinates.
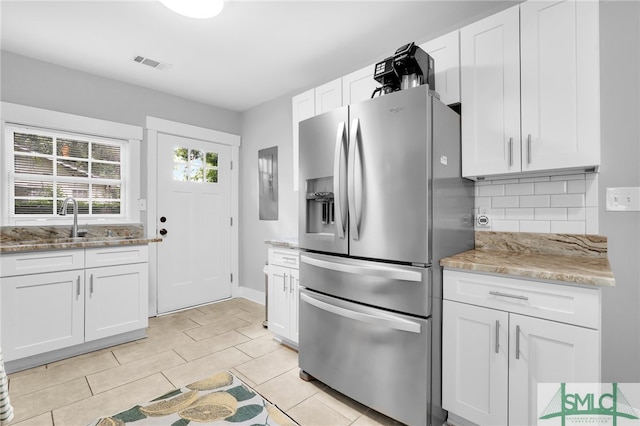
(410, 66)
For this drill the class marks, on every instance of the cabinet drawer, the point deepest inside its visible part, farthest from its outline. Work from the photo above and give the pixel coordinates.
(40, 262)
(110, 256)
(557, 302)
(288, 258)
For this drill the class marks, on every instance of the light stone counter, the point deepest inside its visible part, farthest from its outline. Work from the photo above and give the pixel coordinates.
(16, 239)
(573, 258)
(283, 242)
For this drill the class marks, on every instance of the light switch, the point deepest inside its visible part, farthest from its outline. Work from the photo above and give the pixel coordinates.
(623, 199)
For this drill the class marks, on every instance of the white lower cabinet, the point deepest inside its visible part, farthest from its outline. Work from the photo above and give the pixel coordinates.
(283, 290)
(42, 313)
(48, 311)
(502, 336)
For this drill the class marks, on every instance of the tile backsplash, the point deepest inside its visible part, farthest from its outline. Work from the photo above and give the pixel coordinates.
(557, 204)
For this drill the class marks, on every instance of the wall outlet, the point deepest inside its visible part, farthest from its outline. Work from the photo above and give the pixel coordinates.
(623, 199)
(482, 221)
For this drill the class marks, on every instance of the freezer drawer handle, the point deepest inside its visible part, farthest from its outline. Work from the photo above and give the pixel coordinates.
(373, 271)
(392, 322)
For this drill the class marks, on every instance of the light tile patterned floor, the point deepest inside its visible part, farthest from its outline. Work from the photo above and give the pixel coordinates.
(180, 348)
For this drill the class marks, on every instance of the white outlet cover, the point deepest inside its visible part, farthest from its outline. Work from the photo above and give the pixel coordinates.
(623, 199)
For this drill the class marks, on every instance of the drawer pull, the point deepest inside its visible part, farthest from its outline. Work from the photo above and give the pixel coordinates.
(513, 296)
(517, 342)
(497, 336)
(290, 259)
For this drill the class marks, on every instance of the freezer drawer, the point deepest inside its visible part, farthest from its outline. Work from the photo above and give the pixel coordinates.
(378, 358)
(400, 288)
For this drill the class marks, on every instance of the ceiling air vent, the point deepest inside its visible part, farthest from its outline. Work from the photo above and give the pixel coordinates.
(150, 62)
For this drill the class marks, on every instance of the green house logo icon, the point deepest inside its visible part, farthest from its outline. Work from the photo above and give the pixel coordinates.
(589, 405)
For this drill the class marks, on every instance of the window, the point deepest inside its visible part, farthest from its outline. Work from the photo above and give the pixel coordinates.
(194, 165)
(46, 166)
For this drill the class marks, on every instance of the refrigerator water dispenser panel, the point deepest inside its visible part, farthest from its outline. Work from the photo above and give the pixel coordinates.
(320, 209)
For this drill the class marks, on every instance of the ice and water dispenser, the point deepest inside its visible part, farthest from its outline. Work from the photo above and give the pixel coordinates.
(320, 207)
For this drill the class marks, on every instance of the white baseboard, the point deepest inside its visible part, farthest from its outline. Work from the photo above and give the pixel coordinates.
(251, 294)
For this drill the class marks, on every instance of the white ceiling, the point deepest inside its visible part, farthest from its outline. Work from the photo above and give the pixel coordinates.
(254, 51)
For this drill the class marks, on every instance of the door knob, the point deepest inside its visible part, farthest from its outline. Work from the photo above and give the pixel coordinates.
(163, 232)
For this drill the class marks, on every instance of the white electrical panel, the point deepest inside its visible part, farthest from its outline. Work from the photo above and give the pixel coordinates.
(623, 199)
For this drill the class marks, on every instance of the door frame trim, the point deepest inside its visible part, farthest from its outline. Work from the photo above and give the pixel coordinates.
(149, 188)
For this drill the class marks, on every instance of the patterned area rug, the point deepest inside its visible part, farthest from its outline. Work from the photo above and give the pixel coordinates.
(221, 399)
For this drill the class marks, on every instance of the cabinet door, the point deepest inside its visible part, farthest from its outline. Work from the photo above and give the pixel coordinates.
(490, 94)
(358, 86)
(279, 280)
(303, 106)
(546, 351)
(293, 305)
(329, 96)
(445, 51)
(42, 313)
(116, 300)
(475, 362)
(560, 85)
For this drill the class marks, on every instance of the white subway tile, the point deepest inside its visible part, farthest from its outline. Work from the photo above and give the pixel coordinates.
(576, 186)
(535, 179)
(576, 213)
(592, 225)
(518, 214)
(535, 201)
(539, 226)
(567, 227)
(483, 202)
(502, 202)
(501, 225)
(490, 190)
(496, 213)
(550, 214)
(567, 200)
(569, 177)
(506, 181)
(559, 187)
(519, 189)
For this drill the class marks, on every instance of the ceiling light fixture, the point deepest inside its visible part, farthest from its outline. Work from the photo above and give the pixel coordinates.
(199, 9)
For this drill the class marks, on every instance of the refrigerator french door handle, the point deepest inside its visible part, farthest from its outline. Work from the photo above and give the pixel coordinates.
(351, 182)
(372, 271)
(341, 140)
(388, 320)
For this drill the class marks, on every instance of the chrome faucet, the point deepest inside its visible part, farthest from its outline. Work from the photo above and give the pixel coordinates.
(63, 212)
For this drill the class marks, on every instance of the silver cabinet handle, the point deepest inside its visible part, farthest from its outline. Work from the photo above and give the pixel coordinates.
(373, 271)
(284, 282)
(290, 259)
(497, 336)
(385, 320)
(517, 342)
(290, 283)
(341, 140)
(351, 184)
(513, 296)
(529, 148)
(510, 152)
(91, 285)
(78, 287)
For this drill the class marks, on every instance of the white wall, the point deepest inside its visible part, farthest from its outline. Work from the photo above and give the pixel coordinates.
(620, 130)
(262, 127)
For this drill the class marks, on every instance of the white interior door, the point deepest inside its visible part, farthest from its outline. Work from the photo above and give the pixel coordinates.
(193, 217)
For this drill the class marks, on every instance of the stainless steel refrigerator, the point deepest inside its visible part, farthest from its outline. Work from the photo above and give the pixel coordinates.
(381, 201)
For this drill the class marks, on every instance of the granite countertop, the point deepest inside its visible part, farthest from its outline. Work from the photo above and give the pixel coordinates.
(572, 258)
(290, 242)
(17, 239)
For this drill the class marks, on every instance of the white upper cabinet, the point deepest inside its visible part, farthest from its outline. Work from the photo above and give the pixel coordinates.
(560, 84)
(530, 90)
(490, 94)
(329, 96)
(303, 106)
(445, 51)
(358, 86)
